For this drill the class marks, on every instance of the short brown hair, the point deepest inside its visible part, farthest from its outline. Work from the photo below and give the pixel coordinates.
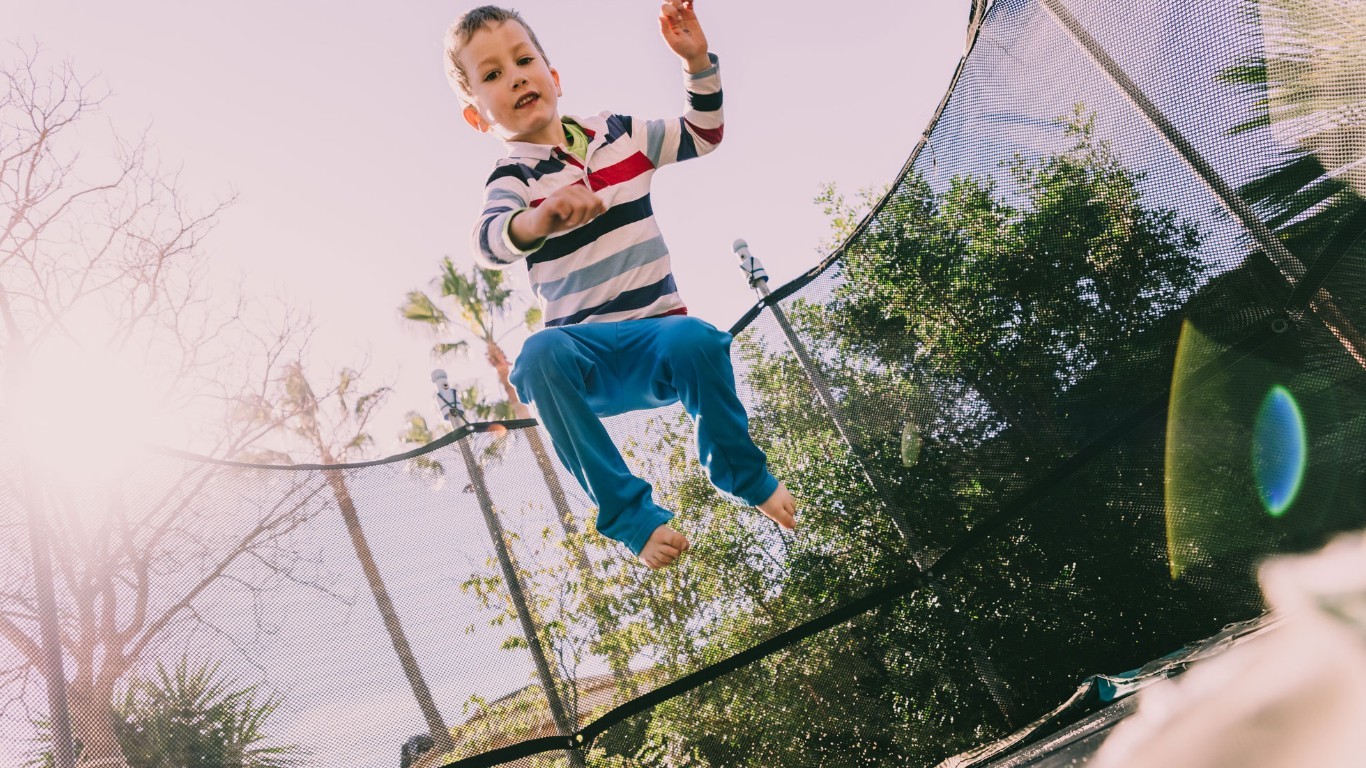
(460, 33)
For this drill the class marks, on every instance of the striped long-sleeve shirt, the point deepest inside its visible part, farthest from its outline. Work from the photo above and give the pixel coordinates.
(615, 267)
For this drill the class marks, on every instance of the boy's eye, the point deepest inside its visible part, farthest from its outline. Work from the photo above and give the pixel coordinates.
(491, 75)
(525, 60)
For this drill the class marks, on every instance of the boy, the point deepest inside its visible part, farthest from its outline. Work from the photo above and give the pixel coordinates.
(572, 200)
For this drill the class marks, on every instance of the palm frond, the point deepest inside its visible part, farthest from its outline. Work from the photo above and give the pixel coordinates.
(420, 308)
(371, 400)
(417, 431)
(449, 348)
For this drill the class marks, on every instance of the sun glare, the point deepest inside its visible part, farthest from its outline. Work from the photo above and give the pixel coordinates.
(80, 414)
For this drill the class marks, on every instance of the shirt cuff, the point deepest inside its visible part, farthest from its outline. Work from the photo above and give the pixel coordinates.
(507, 236)
(708, 72)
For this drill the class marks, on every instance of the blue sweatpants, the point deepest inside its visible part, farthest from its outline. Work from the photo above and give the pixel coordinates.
(577, 373)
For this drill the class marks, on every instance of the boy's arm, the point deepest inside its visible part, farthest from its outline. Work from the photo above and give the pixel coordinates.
(505, 196)
(509, 229)
(700, 128)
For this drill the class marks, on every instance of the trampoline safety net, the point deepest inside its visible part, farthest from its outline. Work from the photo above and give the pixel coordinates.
(1095, 355)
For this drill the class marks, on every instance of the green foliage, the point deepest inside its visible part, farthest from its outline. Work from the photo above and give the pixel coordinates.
(982, 316)
(1310, 195)
(1005, 323)
(196, 716)
(1019, 301)
(479, 300)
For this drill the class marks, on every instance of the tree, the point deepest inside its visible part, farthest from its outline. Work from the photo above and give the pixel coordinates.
(1303, 272)
(103, 253)
(983, 316)
(481, 301)
(1300, 87)
(333, 427)
(1019, 302)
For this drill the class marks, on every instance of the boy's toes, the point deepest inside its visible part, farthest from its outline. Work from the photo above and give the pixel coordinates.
(675, 540)
(658, 557)
(781, 508)
(783, 518)
(663, 547)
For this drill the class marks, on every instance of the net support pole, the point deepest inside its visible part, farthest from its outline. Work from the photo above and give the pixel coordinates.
(827, 398)
(54, 675)
(758, 280)
(558, 712)
(1290, 267)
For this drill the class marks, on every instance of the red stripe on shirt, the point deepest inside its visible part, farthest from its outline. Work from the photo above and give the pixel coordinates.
(709, 135)
(537, 202)
(619, 173)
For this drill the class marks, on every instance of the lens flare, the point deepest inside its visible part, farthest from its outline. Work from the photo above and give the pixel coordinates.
(1233, 452)
(1279, 451)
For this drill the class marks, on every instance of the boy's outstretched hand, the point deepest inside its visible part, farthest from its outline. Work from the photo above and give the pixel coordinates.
(682, 31)
(565, 208)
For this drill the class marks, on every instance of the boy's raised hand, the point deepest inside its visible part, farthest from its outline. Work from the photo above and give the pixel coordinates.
(565, 208)
(683, 33)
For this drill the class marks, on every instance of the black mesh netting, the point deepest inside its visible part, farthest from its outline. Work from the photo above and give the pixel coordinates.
(1096, 355)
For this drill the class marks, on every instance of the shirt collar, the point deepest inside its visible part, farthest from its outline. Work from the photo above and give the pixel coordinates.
(528, 151)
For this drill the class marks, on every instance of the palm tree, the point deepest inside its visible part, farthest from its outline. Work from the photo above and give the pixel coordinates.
(1313, 55)
(196, 715)
(334, 438)
(482, 301)
(1305, 93)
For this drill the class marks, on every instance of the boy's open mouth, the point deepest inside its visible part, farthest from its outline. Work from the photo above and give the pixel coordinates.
(525, 100)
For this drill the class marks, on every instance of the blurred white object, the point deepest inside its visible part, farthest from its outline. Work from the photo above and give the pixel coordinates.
(1294, 697)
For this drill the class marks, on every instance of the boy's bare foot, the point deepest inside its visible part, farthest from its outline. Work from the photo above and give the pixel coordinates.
(664, 547)
(781, 508)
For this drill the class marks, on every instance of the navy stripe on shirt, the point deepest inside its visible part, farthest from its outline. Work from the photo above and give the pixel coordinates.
(627, 300)
(617, 126)
(484, 244)
(687, 150)
(704, 102)
(616, 217)
(525, 173)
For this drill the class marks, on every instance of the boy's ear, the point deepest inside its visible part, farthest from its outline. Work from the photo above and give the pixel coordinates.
(555, 75)
(475, 119)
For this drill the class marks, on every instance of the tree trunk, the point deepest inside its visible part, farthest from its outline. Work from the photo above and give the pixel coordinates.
(436, 726)
(92, 721)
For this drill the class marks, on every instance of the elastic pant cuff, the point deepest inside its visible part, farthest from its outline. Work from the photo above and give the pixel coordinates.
(649, 521)
(767, 485)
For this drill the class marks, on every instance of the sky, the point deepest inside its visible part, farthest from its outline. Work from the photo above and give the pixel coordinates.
(354, 174)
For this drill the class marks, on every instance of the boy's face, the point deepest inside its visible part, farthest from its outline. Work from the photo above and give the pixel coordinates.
(515, 93)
